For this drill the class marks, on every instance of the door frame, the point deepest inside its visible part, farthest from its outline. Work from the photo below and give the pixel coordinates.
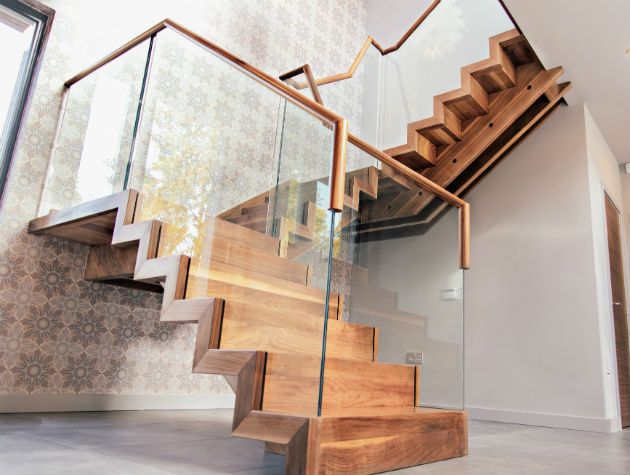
(613, 347)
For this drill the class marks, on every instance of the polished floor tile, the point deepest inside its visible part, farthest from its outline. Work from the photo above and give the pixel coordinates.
(199, 442)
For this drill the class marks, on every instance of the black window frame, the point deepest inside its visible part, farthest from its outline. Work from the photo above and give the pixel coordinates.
(42, 17)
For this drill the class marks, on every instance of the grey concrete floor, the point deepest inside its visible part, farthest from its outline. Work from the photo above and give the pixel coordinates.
(199, 442)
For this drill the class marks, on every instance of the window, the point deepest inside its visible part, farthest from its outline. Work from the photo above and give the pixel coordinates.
(22, 29)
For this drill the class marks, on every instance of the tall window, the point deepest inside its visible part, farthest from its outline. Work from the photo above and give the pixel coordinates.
(22, 28)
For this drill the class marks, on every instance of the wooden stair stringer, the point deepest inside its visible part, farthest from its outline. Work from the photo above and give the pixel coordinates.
(487, 140)
(506, 106)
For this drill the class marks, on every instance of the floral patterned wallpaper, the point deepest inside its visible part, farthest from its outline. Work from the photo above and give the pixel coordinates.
(60, 334)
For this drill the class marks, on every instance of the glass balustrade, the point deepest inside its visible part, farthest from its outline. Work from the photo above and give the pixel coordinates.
(397, 261)
(236, 172)
(239, 175)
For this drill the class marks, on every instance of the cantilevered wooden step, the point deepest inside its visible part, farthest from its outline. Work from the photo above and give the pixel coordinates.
(290, 381)
(237, 326)
(220, 252)
(285, 303)
(219, 228)
(362, 441)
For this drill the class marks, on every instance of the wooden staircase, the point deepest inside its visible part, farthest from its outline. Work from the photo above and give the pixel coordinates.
(260, 325)
(260, 321)
(501, 100)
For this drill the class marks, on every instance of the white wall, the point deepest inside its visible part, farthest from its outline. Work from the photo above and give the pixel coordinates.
(534, 335)
(605, 179)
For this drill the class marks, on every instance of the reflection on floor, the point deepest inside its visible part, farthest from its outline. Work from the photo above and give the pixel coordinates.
(199, 442)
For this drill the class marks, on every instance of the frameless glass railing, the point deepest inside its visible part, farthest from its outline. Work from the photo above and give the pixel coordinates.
(235, 164)
(400, 260)
(258, 184)
(94, 142)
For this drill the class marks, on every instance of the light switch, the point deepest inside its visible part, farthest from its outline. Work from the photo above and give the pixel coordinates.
(456, 293)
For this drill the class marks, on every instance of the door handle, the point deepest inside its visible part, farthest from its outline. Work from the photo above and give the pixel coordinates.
(617, 303)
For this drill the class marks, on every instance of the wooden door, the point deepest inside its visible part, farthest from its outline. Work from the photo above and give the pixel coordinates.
(619, 309)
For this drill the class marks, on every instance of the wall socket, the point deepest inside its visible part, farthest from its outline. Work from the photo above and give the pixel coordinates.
(415, 358)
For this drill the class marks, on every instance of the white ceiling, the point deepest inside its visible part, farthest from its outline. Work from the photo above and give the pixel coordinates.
(589, 38)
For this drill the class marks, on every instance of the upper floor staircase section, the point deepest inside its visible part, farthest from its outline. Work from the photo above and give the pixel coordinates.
(454, 136)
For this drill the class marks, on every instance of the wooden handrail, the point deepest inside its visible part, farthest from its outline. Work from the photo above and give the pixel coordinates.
(339, 123)
(426, 184)
(310, 80)
(370, 41)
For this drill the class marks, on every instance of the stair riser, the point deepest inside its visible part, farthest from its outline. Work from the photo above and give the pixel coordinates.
(221, 252)
(292, 385)
(221, 229)
(267, 329)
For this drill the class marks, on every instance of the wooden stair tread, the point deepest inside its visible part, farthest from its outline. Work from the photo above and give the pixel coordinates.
(256, 208)
(261, 215)
(243, 236)
(365, 441)
(374, 412)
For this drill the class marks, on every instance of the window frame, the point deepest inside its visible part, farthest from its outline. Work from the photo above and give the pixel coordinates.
(42, 16)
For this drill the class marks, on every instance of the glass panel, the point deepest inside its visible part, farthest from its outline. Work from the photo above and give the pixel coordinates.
(240, 179)
(95, 136)
(455, 34)
(404, 278)
(299, 216)
(205, 144)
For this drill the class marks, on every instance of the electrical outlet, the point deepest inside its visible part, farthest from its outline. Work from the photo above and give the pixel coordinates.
(415, 358)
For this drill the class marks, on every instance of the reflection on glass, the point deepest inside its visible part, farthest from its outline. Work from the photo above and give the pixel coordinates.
(94, 142)
(205, 144)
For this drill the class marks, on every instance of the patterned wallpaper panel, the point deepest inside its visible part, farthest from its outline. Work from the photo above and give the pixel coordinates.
(60, 334)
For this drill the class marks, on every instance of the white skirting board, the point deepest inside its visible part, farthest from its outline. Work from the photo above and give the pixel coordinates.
(592, 424)
(110, 402)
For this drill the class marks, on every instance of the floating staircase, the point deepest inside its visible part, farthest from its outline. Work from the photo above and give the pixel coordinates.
(260, 325)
